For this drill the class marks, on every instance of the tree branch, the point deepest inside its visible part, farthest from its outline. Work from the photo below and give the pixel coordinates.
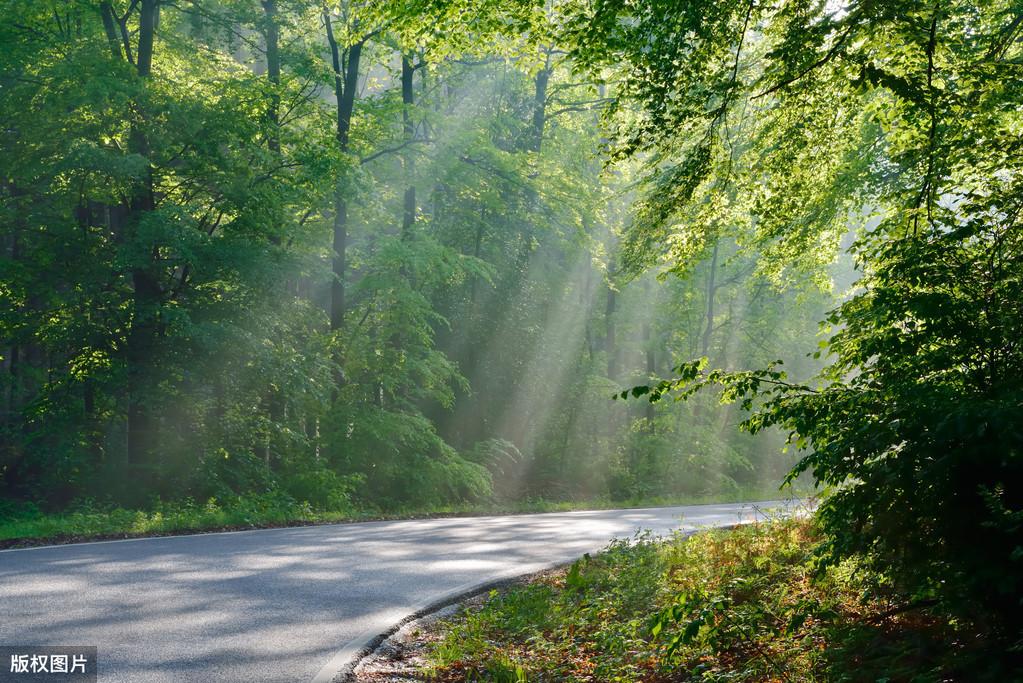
(390, 150)
(813, 67)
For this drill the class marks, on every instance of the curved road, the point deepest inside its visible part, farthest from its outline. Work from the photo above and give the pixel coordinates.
(290, 604)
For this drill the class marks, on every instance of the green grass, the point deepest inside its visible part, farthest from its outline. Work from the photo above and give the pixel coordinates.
(738, 606)
(26, 525)
(92, 521)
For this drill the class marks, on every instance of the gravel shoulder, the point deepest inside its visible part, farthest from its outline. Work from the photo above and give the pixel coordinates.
(402, 656)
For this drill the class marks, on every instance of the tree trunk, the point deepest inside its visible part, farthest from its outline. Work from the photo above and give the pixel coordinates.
(610, 343)
(346, 78)
(147, 293)
(273, 401)
(408, 161)
(148, 17)
(110, 28)
(271, 34)
(535, 144)
(139, 352)
(477, 248)
(540, 106)
(708, 330)
(10, 359)
(651, 358)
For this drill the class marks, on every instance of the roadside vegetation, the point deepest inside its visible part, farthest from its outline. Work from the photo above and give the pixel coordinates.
(317, 258)
(26, 525)
(743, 605)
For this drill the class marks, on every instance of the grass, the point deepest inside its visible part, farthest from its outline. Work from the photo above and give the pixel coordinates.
(739, 606)
(91, 521)
(27, 526)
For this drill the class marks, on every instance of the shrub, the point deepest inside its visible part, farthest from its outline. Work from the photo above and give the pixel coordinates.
(322, 488)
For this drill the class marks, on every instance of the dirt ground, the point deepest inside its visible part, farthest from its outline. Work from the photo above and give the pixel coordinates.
(401, 657)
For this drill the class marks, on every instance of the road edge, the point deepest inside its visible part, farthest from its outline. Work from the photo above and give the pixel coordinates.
(341, 667)
(47, 543)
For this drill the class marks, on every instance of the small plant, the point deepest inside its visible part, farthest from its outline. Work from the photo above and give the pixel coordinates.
(746, 605)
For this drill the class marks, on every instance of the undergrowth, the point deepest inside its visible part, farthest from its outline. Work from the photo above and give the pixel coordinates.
(751, 604)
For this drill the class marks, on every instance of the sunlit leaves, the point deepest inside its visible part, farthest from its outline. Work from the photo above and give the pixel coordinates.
(898, 111)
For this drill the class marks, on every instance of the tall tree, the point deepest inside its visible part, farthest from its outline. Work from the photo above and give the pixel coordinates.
(345, 59)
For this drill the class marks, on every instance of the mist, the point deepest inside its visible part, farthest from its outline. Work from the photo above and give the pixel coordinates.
(364, 273)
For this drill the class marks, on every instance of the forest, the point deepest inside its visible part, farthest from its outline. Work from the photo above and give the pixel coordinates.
(371, 255)
(407, 254)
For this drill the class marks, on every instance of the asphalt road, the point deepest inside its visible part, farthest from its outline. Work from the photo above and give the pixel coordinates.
(286, 604)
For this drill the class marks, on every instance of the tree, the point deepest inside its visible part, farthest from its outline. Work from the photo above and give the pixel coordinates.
(336, 252)
(898, 111)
